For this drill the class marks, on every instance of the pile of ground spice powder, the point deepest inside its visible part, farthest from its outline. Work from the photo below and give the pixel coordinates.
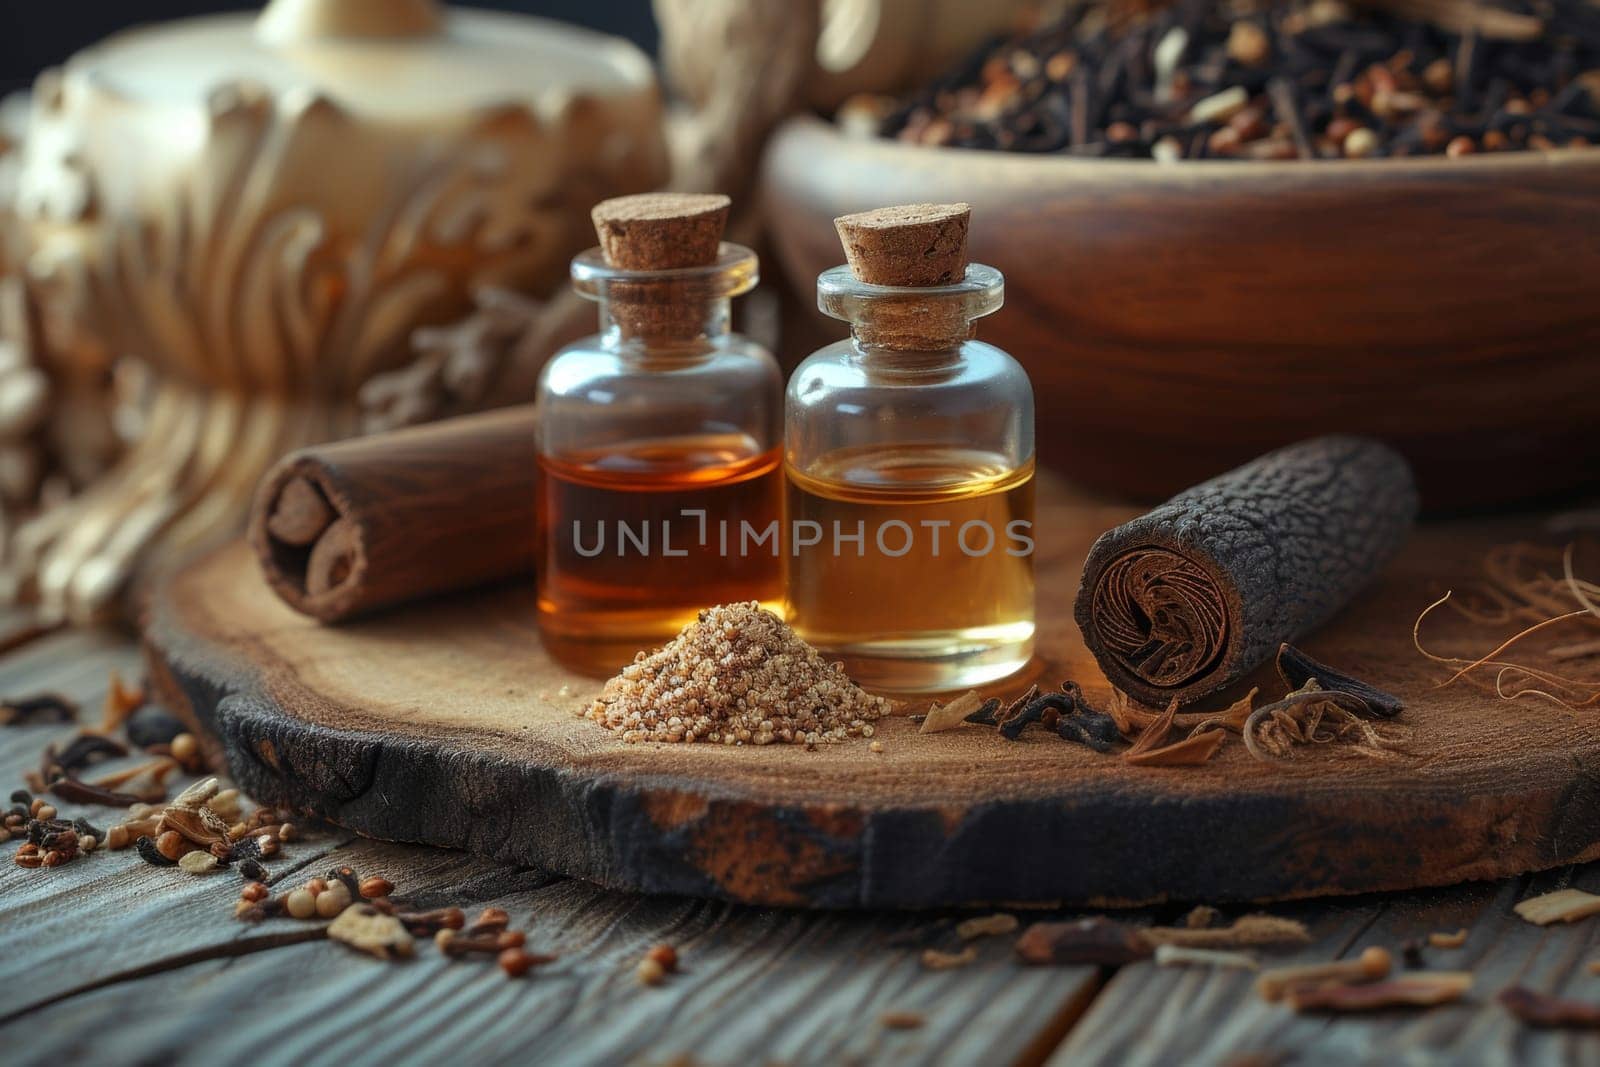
(737, 675)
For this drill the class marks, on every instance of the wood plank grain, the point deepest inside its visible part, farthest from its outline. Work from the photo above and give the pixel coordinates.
(96, 943)
(756, 985)
(1152, 1015)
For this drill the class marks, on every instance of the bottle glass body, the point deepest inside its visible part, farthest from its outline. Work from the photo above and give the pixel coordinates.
(658, 446)
(909, 465)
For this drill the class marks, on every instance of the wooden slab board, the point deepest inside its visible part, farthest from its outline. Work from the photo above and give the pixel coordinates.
(446, 724)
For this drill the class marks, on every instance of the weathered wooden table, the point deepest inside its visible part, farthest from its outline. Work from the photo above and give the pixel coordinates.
(108, 960)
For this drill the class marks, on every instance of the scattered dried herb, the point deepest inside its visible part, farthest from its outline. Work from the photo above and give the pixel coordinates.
(1247, 931)
(122, 700)
(1374, 964)
(1183, 956)
(1540, 1009)
(1086, 941)
(986, 926)
(1312, 79)
(428, 923)
(1067, 713)
(901, 1020)
(70, 789)
(1296, 669)
(81, 752)
(369, 930)
(1192, 751)
(34, 710)
(1408, 991)
(1562, 906)
(150, 726)
(151, 854)
(935, 960)
(1312, 715)
(1533, 585)
(949, 716)
(1152, 736)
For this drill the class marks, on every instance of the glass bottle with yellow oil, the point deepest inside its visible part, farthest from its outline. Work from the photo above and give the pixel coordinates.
(909, 458)
(658, 440)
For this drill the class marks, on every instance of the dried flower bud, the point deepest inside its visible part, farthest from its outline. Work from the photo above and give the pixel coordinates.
(185, 748)
(375, 886)
(650, 972)
(665, 955)
(254, 891)
(516, 962)
(333, 901)
(301, 904)
(172, 845)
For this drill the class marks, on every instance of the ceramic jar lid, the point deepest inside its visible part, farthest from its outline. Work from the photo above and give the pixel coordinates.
(374, 58)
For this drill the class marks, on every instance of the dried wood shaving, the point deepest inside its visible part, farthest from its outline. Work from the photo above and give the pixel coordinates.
(986, 926)
(198, 825)
(1192, 751)
(935, 960)
(197, 794)
(1312, 715)
(1408, 991)
(1540, 1009)
(1151, 737)
(1233, 717)
(122, 700)
(1443, 940)
(1183, 956)
(1097, 940)
(1374, 964)
(1121, 710)
(1246, 932)
(949, 716)
(366, 929)
(1562, 906)
(1536, 586)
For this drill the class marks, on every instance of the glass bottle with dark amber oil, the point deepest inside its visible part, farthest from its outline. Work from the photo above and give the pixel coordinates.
(909, 462)
(658, 442)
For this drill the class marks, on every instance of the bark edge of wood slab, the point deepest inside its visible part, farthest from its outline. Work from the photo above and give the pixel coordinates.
(427, 725)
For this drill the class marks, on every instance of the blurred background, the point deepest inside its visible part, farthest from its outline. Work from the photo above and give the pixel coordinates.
(34, 35)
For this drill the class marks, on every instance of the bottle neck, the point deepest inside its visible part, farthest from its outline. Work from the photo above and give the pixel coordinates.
(911, 333)
(922, 320)
(688, 326)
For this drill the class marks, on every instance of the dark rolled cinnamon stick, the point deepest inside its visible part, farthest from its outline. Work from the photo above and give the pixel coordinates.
(348, 528)
(1196, 594)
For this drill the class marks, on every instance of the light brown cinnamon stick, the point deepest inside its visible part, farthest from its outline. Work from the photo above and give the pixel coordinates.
(349, 528)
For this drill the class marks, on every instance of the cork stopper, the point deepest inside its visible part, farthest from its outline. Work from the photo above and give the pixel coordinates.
(661, 231)
(914, 245)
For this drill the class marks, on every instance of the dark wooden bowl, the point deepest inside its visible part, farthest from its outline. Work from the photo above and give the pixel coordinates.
(1177, 320)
